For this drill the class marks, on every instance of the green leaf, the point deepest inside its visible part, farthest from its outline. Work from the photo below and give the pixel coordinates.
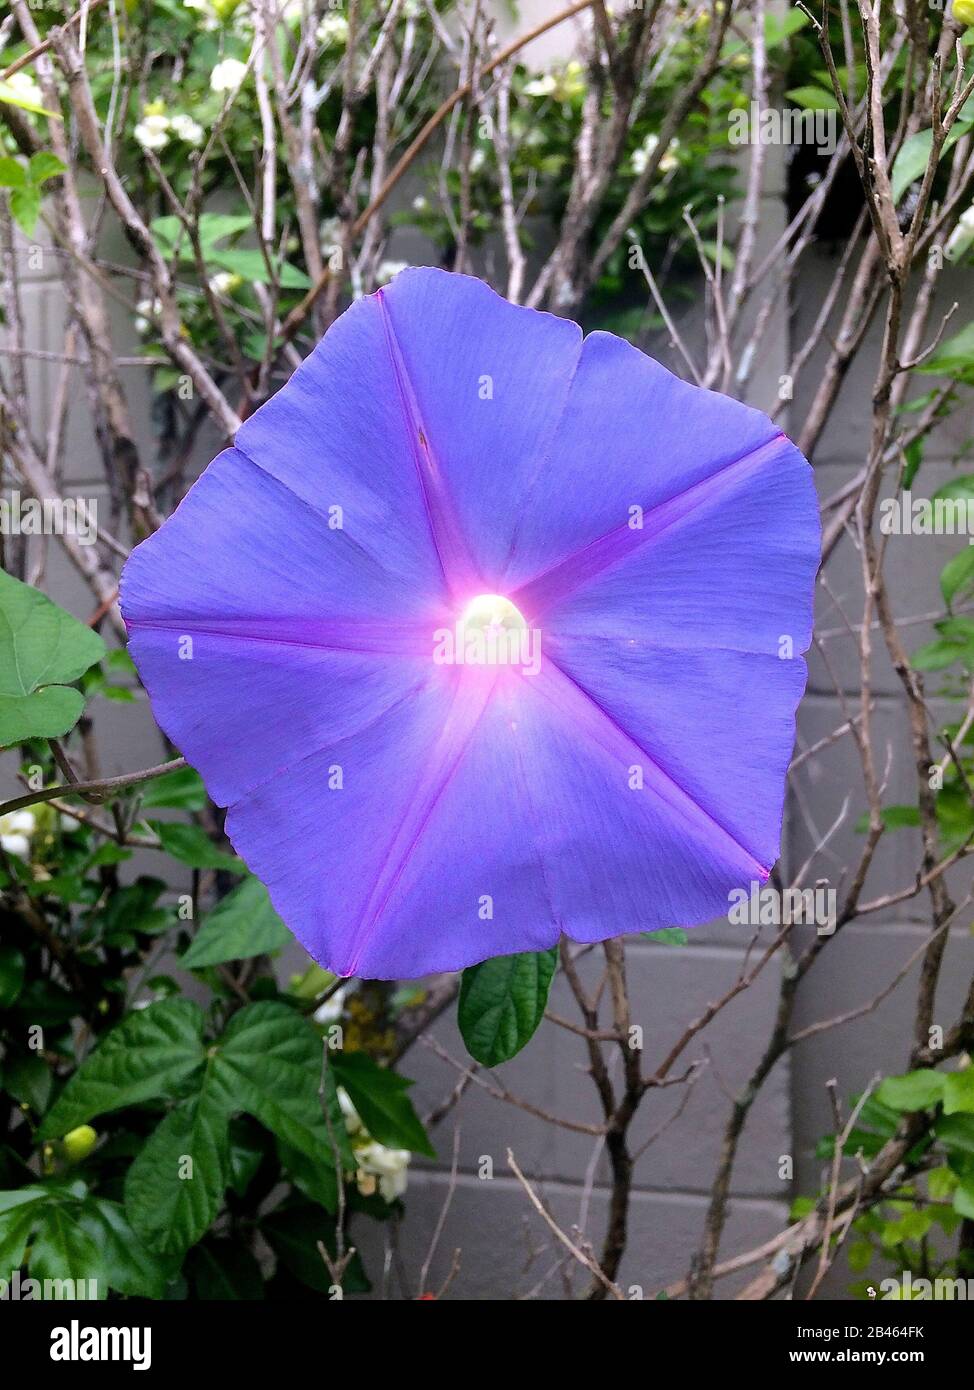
(501, 1003)
(723, 253)
(191, 845)
(316, 1178)
(914, 156)
(44, 165)
(269, 1063)
(913, 453)
(25, 204)
(166, 232)
(777, 28)
(666, 936)
(941, 1182)
(174, 1188)
(860, 1256)
(335, 1116)
(119, 693)
(12, 174)
(959, 1091)
(937, 656)
(964, 1200)
(11, 97)
(813, 98)
(129, 1267)
(896, 817)
(955, 816)
(956, 629)
(247, 1148)
(379, 1096)
(148, 1055)
(293, 1232)
(893, 817)
(224, 1269)
(63, 1250)
(181, 790)
(242, 925)
(957, 575)
(15, 1229)
(911, 161)
(214, 226)
(24, 1196)
(119, 660)
(953, 357)
(252, 266)
(956, 1133)
(917, 1090)
(28, 1079)
(958, 489)
(12, 970)
(42, 649)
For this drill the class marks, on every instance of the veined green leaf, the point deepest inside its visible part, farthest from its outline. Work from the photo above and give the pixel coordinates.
(501, 1003)
(42, 649)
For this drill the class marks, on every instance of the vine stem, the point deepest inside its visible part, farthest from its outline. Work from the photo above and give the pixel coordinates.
(99, 790)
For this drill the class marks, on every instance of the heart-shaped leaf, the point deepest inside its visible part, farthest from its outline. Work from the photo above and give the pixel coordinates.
(42, 649)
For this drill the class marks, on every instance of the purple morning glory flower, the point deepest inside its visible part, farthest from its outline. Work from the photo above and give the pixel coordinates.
(483, 633)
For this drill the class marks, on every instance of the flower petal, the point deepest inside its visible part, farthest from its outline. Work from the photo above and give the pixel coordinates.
(252, 651)
(729, 563)
(338, 435)
(644, 470)
(483, 828)
(487, 382)
(719, 724)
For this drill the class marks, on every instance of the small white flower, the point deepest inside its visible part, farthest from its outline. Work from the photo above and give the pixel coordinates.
(143, 310)
(330, 232)
(333, 31)
(962, 236)
(353, 1121)
(387, 269)
(331, 1010)
(542, 86)
(670, 160)
(420, 203)
(640, 157)
(477, 160)
(152, 132)
(16, 828)
(187, 129)
(228, 75)
(389, 1166)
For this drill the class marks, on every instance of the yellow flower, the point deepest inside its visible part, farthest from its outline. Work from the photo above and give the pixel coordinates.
(964, 11)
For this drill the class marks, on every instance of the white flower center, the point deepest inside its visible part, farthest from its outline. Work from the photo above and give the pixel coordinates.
(494, 612)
